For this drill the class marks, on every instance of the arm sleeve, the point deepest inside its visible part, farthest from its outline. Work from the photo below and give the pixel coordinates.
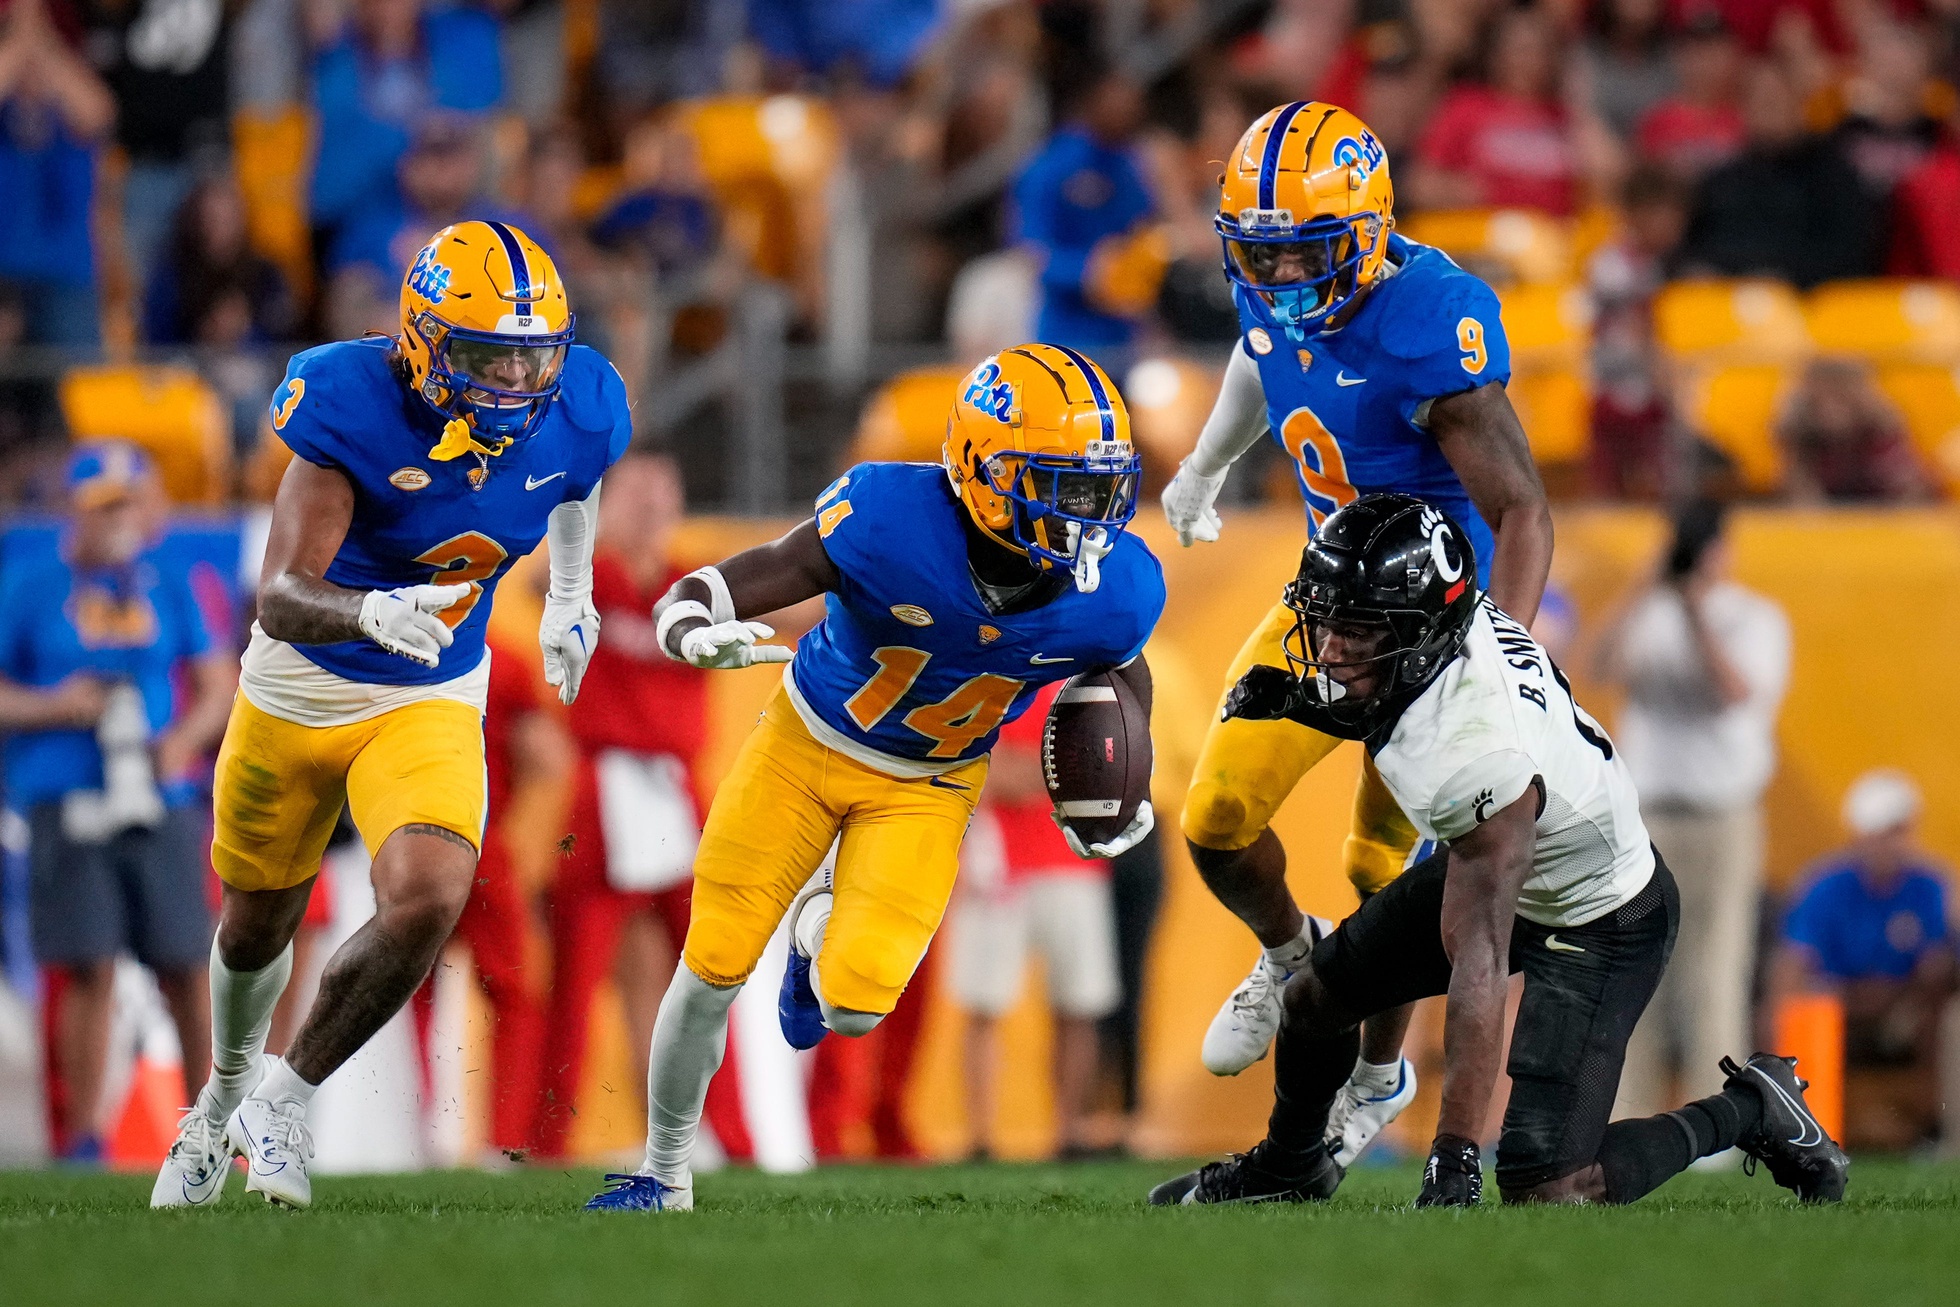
(572, 529)
(1238, 416)
(1478, 791)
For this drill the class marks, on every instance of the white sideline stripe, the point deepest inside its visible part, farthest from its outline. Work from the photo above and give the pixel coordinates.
(1087, 694)
(1090, 807)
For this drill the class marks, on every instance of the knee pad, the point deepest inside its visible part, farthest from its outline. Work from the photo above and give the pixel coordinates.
(1371, 865)
(717, 955)
(1216, 818)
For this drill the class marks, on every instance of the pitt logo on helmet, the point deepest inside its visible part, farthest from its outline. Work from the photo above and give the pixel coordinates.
(1304, 210)
(485, 325)
(1038, 450)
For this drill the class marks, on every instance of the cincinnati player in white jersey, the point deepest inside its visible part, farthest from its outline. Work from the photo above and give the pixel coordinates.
(1546, 870)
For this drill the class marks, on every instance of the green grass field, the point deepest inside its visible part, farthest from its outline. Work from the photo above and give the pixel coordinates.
(949, 1235)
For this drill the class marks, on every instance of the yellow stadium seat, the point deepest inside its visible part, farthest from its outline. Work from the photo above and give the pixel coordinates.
(768, 160)
(168, 411)
(1169, 399)
(1550, 330)
(1503, 245)
(1885, 320)
(271, 153)
(1746, 320)
(1928, 397)
(1736, 406)
(906, 420)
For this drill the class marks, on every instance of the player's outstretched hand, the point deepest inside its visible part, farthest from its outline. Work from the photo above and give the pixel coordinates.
(1454, 1176)
(404, 621)
(1265, 693)
(1140, 825)
(568, 634)
(732, 644)
(1188, 501)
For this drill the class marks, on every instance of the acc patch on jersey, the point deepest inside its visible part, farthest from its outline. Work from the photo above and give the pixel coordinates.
(409, 478)
(912, 614)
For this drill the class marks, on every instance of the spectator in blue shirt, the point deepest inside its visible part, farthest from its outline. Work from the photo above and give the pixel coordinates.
(880, 39)
(1870, 924)
(394, 65)
(54, 113)
(1074, 202)
(100, 757)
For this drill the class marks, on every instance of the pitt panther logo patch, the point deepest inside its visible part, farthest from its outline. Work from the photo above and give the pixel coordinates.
(989, 634)
(428, 278)
(988, 393)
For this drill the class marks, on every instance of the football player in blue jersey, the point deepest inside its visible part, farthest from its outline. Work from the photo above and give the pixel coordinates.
(426, 465)
(951, 593)
(1378, 365)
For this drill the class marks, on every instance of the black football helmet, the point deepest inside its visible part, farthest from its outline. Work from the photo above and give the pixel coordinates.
(1383, 560)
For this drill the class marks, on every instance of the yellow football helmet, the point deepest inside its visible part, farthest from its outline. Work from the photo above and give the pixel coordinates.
(1038, 449)
(485, 327)
(1304, 208)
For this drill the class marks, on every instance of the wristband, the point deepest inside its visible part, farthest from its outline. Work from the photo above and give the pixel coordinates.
(677, 611)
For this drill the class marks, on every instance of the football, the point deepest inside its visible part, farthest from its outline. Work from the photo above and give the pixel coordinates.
(1095, 755)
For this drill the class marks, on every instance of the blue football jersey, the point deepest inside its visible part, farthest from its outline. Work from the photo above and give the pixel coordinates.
(417, 521)
(908, 664)
(1343, 404)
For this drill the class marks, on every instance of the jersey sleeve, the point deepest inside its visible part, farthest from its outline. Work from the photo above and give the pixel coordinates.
(1478, 791)
(299, 414)
(1450, 343)
(620, 410)
(847, 534)
(1144, 605)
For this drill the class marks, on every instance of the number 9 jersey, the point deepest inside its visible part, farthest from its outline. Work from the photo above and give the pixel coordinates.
(909, 672)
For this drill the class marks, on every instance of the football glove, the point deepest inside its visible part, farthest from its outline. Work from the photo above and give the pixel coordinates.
(404, 621)
(1140, 826)
(726, 645)
(1454, 1176)
(1188, 501)
(1265, 693)
(568, 634)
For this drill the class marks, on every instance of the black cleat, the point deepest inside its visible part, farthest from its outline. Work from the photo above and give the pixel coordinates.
(1800, 1155)
(1263, 1175)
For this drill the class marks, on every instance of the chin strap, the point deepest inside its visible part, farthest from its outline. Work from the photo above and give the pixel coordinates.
(459, 438)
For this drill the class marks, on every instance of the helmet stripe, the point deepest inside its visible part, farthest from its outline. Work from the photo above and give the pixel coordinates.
(1096, 390)
(1275, 142)
(520, 267)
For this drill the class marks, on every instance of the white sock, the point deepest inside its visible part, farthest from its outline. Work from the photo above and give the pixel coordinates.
(689, 1037)
(1377, 1080)
(812, 922)
(283, 1084)
(241, 1018)
(1287, 958)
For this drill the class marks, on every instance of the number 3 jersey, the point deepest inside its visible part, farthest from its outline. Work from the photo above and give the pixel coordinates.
(909, 672)
(1497, 721)
(417, 520)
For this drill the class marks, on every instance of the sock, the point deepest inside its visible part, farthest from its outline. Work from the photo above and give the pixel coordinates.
(1377, 1080)
(689, 1037)
(1306, 1078)
(1289, 956)
(241, 1018)
(1639, 1156)
(283, 1084)
(811, 924)
(844, 1021)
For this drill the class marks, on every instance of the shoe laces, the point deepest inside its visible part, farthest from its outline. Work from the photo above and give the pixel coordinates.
(193, 1142)
(288, 1131)
(1253, 993)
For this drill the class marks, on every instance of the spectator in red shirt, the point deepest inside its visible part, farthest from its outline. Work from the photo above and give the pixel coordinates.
(1843, 442)
(1699, 126)
(1021, 888)
(639, 723)
(1505, 143)
(1925, 230)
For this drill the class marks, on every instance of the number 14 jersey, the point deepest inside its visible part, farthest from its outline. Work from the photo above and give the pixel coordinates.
(908, 672)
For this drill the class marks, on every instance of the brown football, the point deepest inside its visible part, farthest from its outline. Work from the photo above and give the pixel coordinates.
(1095, 755)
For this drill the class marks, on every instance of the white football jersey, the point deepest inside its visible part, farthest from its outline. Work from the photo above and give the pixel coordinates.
(1470, 746)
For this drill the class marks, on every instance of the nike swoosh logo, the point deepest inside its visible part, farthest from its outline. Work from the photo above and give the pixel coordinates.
(1343, 379)
(1812, 1133)
(531, 483)
(1557, 945)
(1041, 660)
(942, 783)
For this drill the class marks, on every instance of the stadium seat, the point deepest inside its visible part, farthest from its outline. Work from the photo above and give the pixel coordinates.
(1736, 347)
(906, 420)
(768, 160)
(1928, 397)
(1501, 245)
(169, 411)
(272, 152)
(1550, 330)
(1887, 321)
(1736, 406)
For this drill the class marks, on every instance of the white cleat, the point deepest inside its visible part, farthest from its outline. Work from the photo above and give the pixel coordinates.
(1357, 1117)
(198, 1164)
(1242, 1032)
(276, 1145)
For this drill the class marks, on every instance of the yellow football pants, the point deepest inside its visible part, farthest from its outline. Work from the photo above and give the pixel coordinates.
(280, 786)
(1246, 769)
(773, 819)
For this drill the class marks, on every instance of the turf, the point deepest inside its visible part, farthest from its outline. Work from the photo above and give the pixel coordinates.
(953, 1235)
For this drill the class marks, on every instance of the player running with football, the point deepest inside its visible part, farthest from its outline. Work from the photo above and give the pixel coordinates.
(1377, 364)
(952, 593)
(1547, 871)
(427, 464)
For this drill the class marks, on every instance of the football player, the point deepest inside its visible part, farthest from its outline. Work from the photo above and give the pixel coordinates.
(1547, 871)
(1377, 364)
(952, 592)
(426, 465)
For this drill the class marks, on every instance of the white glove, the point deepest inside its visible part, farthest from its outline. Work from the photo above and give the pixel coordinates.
(569, 633)
(1188, 501)
(404, 621)
(728, 645)
(1140, 825)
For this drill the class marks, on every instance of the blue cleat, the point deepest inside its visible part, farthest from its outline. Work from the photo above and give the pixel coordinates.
(797, 1007)
(641, 1193)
